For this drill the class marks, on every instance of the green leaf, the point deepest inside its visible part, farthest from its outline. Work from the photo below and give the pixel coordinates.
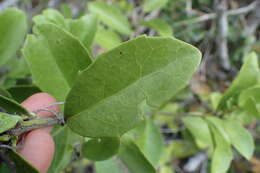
(21, 165)
(12, 106)
(200, 131)
(8, 121)
(150, 141)
(55, 58)
(113, 165)
(18, 68)
(247, 77)
(64, 139)
(107, 98)
(66, 10)
(159, 25)
(219, 125)
(215, 98)
(249, 100)
(22, 92)
(84, 29)
(151, 5)
(222, 155)
(240, 138)
(101, 148)
(5, 93)
(13, 28)
(111, 15)
(133, 158)
(107, 38)
(51, 16)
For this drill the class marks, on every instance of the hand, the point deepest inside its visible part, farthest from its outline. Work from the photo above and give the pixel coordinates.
(38, 145)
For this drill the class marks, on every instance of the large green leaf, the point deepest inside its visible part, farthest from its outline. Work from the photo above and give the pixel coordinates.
(107, 38)
(240, 138)
(247, 77)
(11, 106)
(150, 141)
(13, 28)
(200, 131)
(64, 139)
(222, 155)
(100, 148)
(151, 5)
(107, 98)
(159, 25)
(55, 58)
(111, 16)
(133, 158)
(8, 121)
(84, 28)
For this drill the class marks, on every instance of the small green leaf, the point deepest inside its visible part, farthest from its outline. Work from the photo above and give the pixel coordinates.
(12, 106)
(51, 16)
(111, 16)
(101, 148)
(215, 98)
(151, 5)
(150, 141)
(13, 28)
(18, 68)
(240, 138)
(113, 165)
(222, 155)
(200, 131)
(107, 99)
(22, 92)
(159, 25)
(107, 38)
(219, 125)
(64, 139)
(133, 158)
(249, 100)
(180, 149)
(84, 29)
(8, 121)
(55, 58)
(66, 10)
(247, 77)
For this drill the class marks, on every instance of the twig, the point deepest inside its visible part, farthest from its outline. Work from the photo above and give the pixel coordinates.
(33, 124)
(245, 9)
(211, 16)
(222, 32)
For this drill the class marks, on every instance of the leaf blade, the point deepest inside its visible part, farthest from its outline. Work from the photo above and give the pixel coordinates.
(113, 83)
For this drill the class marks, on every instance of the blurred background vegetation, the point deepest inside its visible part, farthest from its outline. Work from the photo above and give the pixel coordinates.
(224, 30)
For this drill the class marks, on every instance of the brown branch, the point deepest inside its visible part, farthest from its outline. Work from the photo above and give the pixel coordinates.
(222, 32)
(211, 16)
(26, 126)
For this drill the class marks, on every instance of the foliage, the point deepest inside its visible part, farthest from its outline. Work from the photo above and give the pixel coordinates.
(122, 92)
